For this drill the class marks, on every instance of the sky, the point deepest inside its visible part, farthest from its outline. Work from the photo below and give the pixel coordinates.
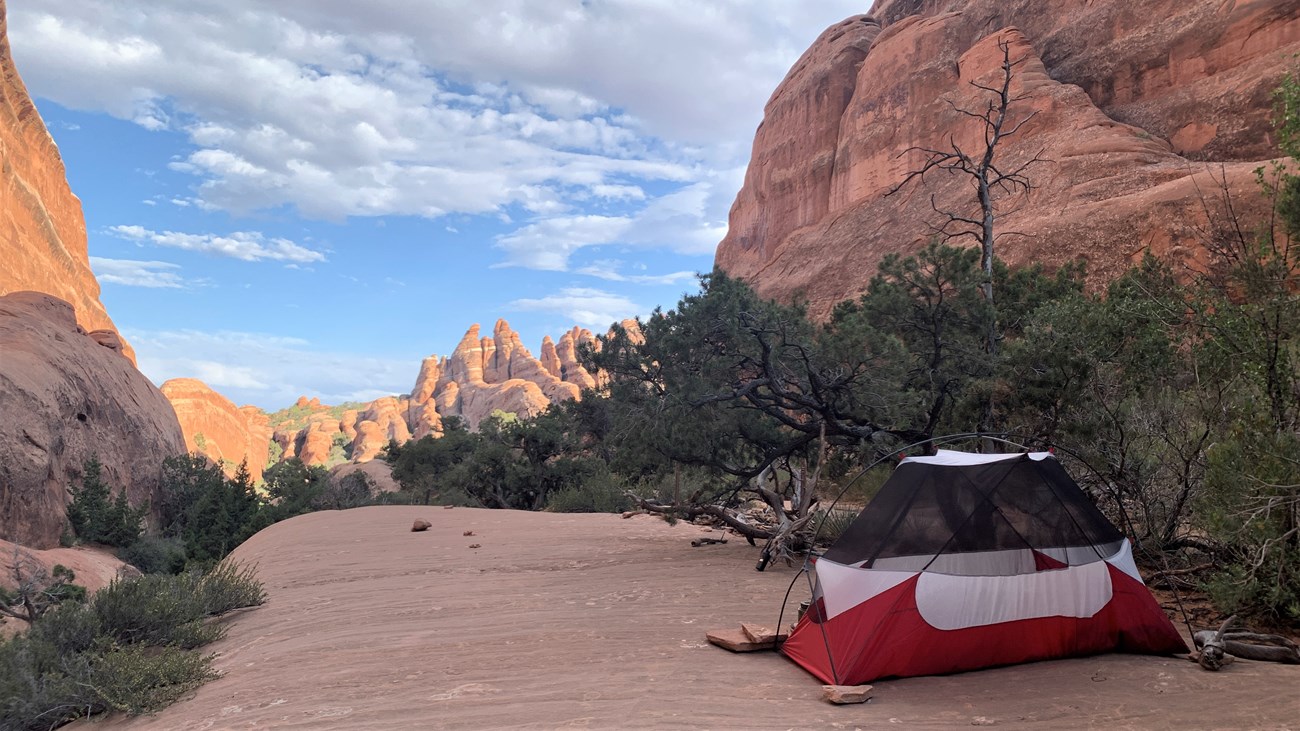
(308, 197)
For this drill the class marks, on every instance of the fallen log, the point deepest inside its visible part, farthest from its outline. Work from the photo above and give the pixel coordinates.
(1213, 655)
(1251, 646)
(707, 541)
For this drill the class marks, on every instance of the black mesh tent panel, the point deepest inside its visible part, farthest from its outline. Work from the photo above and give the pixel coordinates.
(1015, 504)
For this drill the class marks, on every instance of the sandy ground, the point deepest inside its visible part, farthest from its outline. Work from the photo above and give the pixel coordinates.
(592, 621)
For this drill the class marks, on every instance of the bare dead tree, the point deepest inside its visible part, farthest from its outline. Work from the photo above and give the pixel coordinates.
(35, 590)
(984, 169)
(991, 181)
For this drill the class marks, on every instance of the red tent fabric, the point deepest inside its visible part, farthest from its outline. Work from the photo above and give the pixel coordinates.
(968, 561)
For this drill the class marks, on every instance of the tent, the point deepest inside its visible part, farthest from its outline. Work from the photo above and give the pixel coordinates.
(967, 561)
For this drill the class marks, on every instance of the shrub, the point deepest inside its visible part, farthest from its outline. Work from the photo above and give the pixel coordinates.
(229, 586)
(209, 513)
(35, 590)
(43, 686)
(352, 490)
(588, 497)
(127, 649)
(155, 555)
(163, 610)
(831, 524)
(155, 610)
(137, 679)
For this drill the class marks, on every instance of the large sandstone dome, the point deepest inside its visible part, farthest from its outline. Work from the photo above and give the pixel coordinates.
(1141, 109)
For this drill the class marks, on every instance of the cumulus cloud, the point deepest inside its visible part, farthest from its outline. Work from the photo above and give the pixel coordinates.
(267, 370)
(591, 308)
(133, 273)
(245, 245)
(611, 270)
(553, 112)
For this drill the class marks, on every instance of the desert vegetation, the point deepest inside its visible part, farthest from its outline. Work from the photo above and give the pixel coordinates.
(1173, 396)
(134, 646)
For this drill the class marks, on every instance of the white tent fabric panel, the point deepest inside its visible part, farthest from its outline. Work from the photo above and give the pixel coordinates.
(843, 587)
(953, 458)
(1123, 560)
(998, 563)
(950, 602)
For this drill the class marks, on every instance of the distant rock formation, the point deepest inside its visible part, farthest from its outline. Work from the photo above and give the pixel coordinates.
(65, 397)
(217, 429)
(1130, 100)
(481, 376)
(42, 230)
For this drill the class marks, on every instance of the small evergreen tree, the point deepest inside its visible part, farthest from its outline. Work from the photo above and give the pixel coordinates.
(96, 516)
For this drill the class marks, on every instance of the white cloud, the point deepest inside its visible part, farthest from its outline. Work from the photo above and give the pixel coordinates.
(132, 273)
(591, 308)
(245, 245)
(691, 220)
(270, 371)
(609, 270)
(557, 109)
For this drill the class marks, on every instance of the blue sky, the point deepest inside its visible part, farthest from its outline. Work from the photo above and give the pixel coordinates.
(310, 196)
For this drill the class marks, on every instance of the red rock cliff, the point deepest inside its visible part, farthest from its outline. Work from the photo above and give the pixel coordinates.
(66, 392)
(63, 398)
(217, 429)
(1130, 100)
(42, 230)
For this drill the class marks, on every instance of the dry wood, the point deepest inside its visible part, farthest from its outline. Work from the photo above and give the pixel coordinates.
(1163, 575)
(1212, 649)
(1250, 646)
(707, 541)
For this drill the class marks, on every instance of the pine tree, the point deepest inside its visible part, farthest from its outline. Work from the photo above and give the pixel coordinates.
(96, 516)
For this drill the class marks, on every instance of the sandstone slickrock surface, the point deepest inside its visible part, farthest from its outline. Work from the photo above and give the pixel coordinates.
(217, 429)
(63, 398)
(563, 621)
(42, 231)
(376, 470)
(1130, 102)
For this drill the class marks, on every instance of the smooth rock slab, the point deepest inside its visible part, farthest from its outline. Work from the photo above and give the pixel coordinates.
(846, 694)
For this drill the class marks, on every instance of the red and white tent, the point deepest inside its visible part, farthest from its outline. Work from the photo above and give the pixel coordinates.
(967, 561)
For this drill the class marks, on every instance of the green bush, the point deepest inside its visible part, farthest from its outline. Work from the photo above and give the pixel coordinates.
(229, 586)
(352, 490)
(127, 649)
(588, 497)
(137, 679)
(155, 555)
(831, 524)
(155, 610)
(209, 513)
